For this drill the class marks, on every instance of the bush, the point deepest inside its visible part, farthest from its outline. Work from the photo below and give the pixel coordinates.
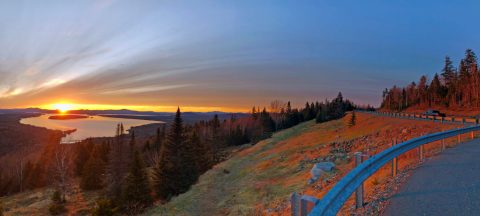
(103, 207)
(1, 209)
(56, 208)
(58, 204)
(57, 197)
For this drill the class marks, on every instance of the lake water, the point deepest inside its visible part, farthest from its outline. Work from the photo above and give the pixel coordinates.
(93, 126)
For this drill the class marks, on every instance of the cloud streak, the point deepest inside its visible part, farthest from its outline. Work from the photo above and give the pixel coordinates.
(229, 54)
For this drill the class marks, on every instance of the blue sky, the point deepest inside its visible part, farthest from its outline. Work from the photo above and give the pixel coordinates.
(227, 55)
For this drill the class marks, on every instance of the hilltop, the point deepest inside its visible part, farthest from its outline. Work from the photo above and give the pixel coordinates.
(261, 178)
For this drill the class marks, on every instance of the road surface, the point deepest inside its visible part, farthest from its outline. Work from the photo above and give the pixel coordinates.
(447, 184)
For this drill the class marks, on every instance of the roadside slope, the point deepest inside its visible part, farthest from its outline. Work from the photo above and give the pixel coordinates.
(259, 180)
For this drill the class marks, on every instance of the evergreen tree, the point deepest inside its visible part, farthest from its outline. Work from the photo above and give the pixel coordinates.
(216, 137)
(353, 119)
(448, 72)
(136, 194)
(168, 179)
(321, 115)
(82, 155)
(93, 171)
(202, 152)
(117, 167)
(267, 125)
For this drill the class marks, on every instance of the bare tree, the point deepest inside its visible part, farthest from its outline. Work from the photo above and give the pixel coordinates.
(276, 108)
(61, 169)
(19, 168)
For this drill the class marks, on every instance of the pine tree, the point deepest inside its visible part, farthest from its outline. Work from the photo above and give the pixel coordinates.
(93, 171)
(82, 154)
(136, 193)
(216, 137)
(202, 152)
(189, 159)
(448, 72)
(353, 120)
(435, 91)
(321, 115)
(167, 172)
(117, 167)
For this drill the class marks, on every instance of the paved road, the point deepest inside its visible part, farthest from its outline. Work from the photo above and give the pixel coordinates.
(447, 184)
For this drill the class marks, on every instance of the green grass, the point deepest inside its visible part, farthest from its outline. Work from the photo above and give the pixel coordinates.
(238, 192)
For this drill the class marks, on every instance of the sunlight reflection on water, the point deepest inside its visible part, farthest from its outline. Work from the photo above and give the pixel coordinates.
(93, 126)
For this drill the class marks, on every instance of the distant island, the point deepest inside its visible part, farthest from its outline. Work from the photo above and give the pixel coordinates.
(67, 117)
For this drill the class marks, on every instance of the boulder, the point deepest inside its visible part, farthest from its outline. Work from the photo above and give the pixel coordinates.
(318, 169)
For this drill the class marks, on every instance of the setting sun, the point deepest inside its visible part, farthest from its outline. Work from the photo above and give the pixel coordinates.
(63, 108)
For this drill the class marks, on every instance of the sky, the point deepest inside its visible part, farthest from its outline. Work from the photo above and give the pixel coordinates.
(222, 55)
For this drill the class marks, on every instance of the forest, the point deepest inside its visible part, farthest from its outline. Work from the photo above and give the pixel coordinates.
(134, 172)
(452, 88)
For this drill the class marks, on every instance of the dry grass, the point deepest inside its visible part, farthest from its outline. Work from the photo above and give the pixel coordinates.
(262, 177)
(36, 202)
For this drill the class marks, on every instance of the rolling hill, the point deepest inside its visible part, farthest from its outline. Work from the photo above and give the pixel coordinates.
(260, 179)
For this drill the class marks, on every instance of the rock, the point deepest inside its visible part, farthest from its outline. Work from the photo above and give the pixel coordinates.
(318, 169)
(325, 166)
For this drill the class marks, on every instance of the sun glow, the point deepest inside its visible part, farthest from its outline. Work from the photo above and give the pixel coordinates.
(63, 108)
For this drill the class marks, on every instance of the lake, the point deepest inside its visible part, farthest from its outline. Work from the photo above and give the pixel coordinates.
(93, 126)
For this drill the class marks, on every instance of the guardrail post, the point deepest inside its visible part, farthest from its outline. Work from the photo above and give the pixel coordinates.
(307, 203)
(303, 207)
(443, 145)
(472, 135)
(294, 204)
(359, 191)
(459, 139)
(421, 153)
(394, 162)
(476, 119)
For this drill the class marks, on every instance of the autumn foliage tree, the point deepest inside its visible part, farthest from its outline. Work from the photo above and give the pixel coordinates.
(451, 88)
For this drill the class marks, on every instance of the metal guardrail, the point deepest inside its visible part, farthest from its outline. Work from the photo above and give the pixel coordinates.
(417, 116)
(333, 201)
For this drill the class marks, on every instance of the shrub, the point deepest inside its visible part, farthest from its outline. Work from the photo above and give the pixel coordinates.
(1, 209)
(56, 208)
(58, 204)
(103, 207)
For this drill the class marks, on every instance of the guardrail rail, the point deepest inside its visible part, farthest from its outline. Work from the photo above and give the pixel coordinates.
(333, 201)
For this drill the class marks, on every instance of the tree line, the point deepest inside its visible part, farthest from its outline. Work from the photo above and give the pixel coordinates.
(454, 87)
(134, 172)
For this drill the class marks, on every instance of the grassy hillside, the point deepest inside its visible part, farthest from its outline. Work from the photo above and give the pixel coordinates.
(260, 179)
(36, 202)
